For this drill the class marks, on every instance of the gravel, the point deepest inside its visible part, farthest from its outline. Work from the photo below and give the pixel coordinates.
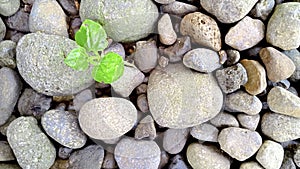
(8, 54)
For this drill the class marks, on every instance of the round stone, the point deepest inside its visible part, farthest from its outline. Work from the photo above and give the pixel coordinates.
(205, 132)
(248, 121)
(167, 35)
(9, 7)
(294, 55)
(270, 154)
(174, 140)
(178, 8)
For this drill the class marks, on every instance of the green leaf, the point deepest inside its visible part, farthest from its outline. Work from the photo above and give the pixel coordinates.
(110, 69)
(77, 59)
(91, 36)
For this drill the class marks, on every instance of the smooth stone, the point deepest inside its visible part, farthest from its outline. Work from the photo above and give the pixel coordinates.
(245, 34)
(284, 102)
(270, 155)
(247, 142)
(233, 56)
(202, 29)
(241, 101)
(177, 163)
(164, 1)
(81, 98)
(175, 52)
(19, 21)
(294, 55)
(8, 54)
(280, 128)
(3, 128)
(64, 152)
(135, 154)
(228, 11)
(257, 78)
(117, 48)
(263, 8)
(141, 89)
(109, 161)
(206, 156)
(202, 59)
(145, 55)
(10, 89)
(205, 132)
(110, 117)
(70, 6)
(163, 61)
(178, 8)
(24, 134)
(251, 165)
(288, 163)
(224, 120)
(9, 7)
(142, 103)
(6, 153)
(47, 16)
(296, 156)
(2, 30)
(283, 27)
(40, 63)
(167, 35)
(60, 164)
(188, 98)
(248, 121)
(9, 166)
(145, 129)
(13, 35)
(174, 140)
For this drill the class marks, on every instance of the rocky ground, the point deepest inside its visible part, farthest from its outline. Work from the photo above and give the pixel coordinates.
(212, 84)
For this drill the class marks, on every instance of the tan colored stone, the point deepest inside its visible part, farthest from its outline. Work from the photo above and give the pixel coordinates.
(167, 35)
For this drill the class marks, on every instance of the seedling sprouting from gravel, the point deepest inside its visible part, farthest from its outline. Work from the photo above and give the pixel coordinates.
(92, 39)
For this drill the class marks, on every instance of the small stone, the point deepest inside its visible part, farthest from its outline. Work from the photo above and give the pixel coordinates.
(201, 156)
(251, 165)
(142, 103)
(232, 78)
(75, 26)
(174, 140)
(270, 155)
(164, 159)
(202, 59)
(64, 152)
(6, 153)
(19, 21)
(117, 48)
(245, 34)
(249, 121)
(178, 8)
(81, 98)
(167, 35)
(233, 56)
(3, 128)
(60, 164)
(224, 120)
(222, 56)
(176, 51)
(145, 129)
(69, 6)
(202, 29)
(2, 29)
(294, 55)
(9, 166)
(263, 8)
(278, 65)
(141, 89)
(164, 1)
(109, 161)
(65, 98)
(177, 163)
(297, 156)
(285, 16)
(163, 61)
(8, 54)
(293, 90)
(247, 142)
(8, 8)
(13, 35)
(288, 163)
(205, 132)
(146, 56)
(87, 158)
(241, 101)
(110, 117)
(280, 128)
(131, 153)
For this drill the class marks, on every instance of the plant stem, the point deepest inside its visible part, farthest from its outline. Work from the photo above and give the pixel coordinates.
(95, 60)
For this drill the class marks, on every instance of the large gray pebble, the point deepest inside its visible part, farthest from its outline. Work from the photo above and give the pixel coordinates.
(179, 8)
(174, 140)
(2, 30)
(205, 132)
(30, 145)
(145, 56)
(123, 20)
(108, 119)
(294, 55)
(9, 7)
(47, 16)
(248, 121)
(270, 155)
(40, 61)
(180, 98)
(224, 119)
(134, 154)
(8, 54)
(6, 153)
(10, 88)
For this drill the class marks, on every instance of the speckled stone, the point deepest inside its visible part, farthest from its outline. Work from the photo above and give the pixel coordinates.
(224, 119)
(137, 154)
(24, 134)
(8, 53)
(270, 155)
(81, 98)
(176, 51)
(145, 55)
(288, 163)
(233, 56)
(179, 8)
(145, 129)
(263, 8)
(174, 140)
(2, 30)
(248, 121)
(205, 132)
(6, 153)
(9, 7)
(9, 166)
(167, 35)
(294, 55)
(251, 165)
(202, 29)
(19, 21)
(177, 162)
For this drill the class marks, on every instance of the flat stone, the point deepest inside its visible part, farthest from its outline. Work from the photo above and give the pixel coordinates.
(167, 35)
(270, 155)
(8, 54)
(239, 143)
(285, 16)
(245, 34)
(174, 140)
(251, 165)
(224, 120)
(145, 55)
(2, 30)
(9, 7)
(185, 96)
(263, 8)
(19, 21)
(249, 121)
(176, 51)
(205, 132)
(145, 129)
(202, 29)
(179, 8)
(294, 55)
(6, 153)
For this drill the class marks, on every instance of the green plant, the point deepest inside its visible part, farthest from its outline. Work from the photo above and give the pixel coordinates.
(91, 38)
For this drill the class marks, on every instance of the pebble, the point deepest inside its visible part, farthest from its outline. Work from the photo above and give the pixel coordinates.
(251, 165)
(10, 89)
(8, 54)
(75, 26)
(182, 93)
(19, 21)
(263, 8)
(202, 59)
(13, 35)
(81, 98)
(222, 56)
(48, 17)
(145, 129)
(178, 8)
(143, 14)
(176, 51)
(177, 163)
(294, 55)
(205, 132)
(117, 48)
(164, 160)
(280, 128)
(248, 121)
(202, 29)
(40, 63)
(110, 117)
(60, 164)
(239, 143)
(3, 128)
(87, 158)
(109, 161)
(284, 102)
(174, 140)
(146, 55)
(141, 89)
(288, 164)
(2, 30)
(241, 101)
(224, 119)
(24, 134)
(245, 34)
(285, 16)
(64, 152)
(136, 154)
(10, 7)
(278, 65)
(257, 78)
(206, 156)
(296, 156)
(9, 166)
(164, 1)
(163, 61)
(228, 11)
(167, 35)
(142, 103)
(270, 155)
(232, 78)
(69, 6)
(6, 153)
(233, 56)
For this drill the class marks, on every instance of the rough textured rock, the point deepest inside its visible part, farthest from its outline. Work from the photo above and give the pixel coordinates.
(263, 8)
(179, 8)
(9, 166)
(245, 34)
(177, 162)
(251, 165)
(176, 51)
(294, 55)
(285, 16)
(174, 140)
(40, 63)
(109, 161)
(145, 129)
(8, 54)
(134, 154)
(110, 117)
(8, 8)
(257, 79)
(142, 103)
(205, 132)
(202, 29)
(224, 120)
(60, 164)
(228, 11)
(270, 155)
(118, 16)
(248, 121)
(2, 30)
(167, 35)
(19, 21)
(201, 156)
(24, 134)
(187, 98)
(247, 142)
(6, 153)
(233, 56)
(145, 55)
